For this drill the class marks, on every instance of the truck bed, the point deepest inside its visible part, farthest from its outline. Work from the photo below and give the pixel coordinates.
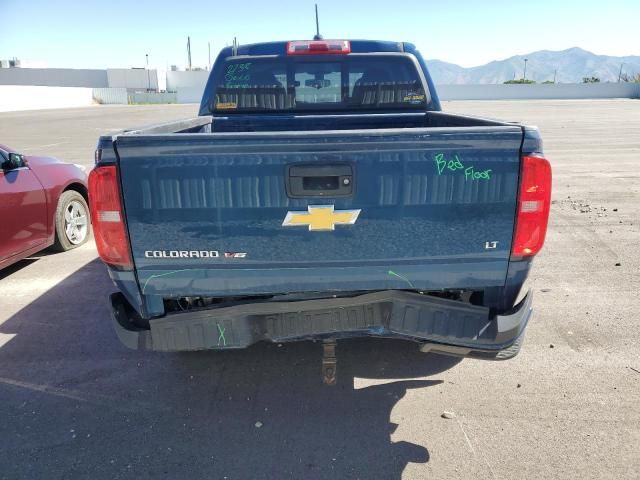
(436, 205)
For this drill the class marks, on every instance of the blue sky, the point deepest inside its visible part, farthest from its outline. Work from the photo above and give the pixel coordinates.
(113, 33)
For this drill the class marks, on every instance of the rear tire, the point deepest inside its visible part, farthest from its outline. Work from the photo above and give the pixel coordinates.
(73, 223)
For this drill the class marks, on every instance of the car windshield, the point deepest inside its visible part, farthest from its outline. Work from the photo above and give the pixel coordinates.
(311, 84)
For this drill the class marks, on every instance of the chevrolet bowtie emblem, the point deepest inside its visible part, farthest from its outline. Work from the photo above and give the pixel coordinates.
(321, 218)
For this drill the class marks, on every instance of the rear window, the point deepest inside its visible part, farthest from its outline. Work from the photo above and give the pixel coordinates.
(311, 84)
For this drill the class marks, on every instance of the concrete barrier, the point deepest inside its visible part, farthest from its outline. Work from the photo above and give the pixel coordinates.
(28, 97)
(151, 97)
(539, 91)
(124, 96)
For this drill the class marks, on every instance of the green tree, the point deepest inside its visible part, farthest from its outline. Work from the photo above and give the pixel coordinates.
(590, 80)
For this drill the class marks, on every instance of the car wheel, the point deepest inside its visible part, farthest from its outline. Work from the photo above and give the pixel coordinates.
(73, 224)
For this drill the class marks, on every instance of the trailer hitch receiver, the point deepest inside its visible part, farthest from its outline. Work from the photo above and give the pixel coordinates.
(329, 362)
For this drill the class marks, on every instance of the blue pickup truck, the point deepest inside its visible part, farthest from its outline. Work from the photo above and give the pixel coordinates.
(321, 193)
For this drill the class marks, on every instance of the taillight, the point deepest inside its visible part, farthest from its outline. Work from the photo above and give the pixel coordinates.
(319, 47)
(534, 200)
(107, 217)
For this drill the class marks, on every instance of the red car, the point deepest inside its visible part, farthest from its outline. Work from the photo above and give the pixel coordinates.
(43, 203)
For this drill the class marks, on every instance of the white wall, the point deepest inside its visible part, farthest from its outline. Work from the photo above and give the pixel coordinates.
(69, 77)
(192, 79)
(28, 97)
(189, 95)
(132, 78)
(53, 77)
(162, 79)
(188, 85)
(539, 91)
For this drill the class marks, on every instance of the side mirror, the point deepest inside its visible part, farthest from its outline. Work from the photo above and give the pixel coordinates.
(15, 161)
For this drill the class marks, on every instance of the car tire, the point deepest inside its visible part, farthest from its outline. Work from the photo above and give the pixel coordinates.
(73, 223)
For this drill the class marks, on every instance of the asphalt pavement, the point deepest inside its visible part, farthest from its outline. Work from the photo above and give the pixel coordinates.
(74, 403)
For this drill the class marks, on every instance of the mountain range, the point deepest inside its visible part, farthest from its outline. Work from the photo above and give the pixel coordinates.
(568, 66)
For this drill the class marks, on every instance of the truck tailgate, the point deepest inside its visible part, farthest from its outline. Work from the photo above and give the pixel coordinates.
(264, 213)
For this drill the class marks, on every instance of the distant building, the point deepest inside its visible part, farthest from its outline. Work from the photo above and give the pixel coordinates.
(13, 63)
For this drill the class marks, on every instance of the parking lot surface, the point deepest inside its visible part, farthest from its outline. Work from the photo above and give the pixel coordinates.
(74, 403)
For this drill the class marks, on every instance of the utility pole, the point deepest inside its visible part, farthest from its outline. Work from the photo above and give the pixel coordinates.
(148, 73)
(620, 74)
(525, 68)
(189, 52)
(555, 74)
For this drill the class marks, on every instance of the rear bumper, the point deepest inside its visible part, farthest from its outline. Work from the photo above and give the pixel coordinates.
(439, 325)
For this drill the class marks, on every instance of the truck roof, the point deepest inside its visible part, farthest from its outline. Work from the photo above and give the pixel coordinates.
(280, 48)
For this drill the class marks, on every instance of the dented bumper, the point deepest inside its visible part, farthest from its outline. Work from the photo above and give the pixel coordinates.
(439, 325)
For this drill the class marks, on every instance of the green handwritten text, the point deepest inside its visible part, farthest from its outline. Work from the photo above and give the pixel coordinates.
(471, 174)
(454, 164)
(237, 73)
